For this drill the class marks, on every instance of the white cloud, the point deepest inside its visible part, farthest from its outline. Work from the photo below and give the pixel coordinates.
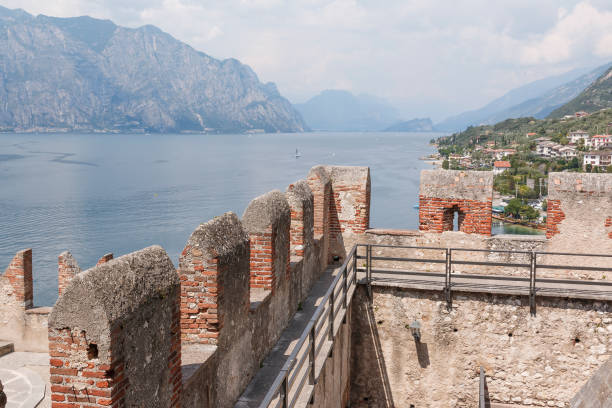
(577, 34)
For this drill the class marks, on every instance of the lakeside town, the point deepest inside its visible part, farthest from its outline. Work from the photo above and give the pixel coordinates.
(521, 152)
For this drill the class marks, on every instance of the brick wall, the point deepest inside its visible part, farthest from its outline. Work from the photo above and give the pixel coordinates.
(213, 288)
(320, 185)
(554, 217)
(349, 213)
(267, 221)
(200, 321)
(19, 275)
(301, 201)
(467, 195)
(79, 377)
(67, 269)
(437, 215)
(262, 259)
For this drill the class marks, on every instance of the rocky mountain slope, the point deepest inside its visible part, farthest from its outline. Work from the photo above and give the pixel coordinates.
(535, 99)
(338, 110)
(81, 73)
(596, 96)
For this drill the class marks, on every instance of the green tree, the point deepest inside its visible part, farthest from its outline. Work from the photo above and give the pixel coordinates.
(513, 208)
(589, 168)
(445, 164)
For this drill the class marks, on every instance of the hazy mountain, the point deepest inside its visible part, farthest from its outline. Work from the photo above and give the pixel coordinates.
(535, 99)
(85, 74)
(337, 110)
(595, 97)
(414, 125)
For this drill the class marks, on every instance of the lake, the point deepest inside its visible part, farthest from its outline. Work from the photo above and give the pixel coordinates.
(99, 193)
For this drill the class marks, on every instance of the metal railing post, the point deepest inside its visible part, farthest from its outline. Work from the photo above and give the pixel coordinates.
(355, 267)
(532, 283)
(331, 316)
(369, 269)
(313, 356)
(447, 281)
(285, 392)
(344, 304)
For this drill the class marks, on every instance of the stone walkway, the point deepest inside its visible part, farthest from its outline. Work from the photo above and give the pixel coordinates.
(25, 377)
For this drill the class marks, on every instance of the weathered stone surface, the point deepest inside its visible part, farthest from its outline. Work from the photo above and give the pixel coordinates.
(268, 209)
(579, 206)
(597, 392)
(457, 184)
(534, 361)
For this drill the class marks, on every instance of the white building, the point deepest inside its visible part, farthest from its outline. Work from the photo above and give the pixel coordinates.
(547, 149)
(576, 135)
(598, 141)
(600, 158)
(567, 152)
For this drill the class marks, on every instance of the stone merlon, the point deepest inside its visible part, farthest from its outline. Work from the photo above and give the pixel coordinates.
(268, 209)
(457, 184)
(107, 293)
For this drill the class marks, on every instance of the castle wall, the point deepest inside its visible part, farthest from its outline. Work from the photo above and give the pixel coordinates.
(579, 212)
(114, 335)
(446, 192)
(530, 361)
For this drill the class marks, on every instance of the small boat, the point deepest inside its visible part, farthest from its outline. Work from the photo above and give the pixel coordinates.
(416, 206)
(297, 153)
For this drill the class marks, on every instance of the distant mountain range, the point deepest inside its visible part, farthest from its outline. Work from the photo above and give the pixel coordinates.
(537, 99)
(84, 74)
(598, 95)
(414, 125)
(337, 110)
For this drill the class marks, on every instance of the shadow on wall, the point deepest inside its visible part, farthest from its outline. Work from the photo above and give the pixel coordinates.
(368, 366)
(422, 353)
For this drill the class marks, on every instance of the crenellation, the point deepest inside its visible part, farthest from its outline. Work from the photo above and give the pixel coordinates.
(267, 221)
(468, 194)
(136, 331)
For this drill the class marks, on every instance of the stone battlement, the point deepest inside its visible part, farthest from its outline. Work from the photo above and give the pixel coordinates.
(136, 330)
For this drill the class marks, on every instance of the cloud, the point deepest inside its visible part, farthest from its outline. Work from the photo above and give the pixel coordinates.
(579, 33)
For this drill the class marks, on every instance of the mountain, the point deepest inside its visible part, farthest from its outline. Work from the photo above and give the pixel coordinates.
(337, 110)
(535, 99)
(414, 125)
(596, 96)
(87, 74)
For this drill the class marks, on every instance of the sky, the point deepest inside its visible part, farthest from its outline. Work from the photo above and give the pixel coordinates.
(429, 58)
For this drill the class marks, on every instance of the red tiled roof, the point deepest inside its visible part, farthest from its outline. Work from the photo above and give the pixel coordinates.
(502, 164)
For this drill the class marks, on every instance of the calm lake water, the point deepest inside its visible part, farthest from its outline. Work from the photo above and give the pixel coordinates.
(99, 193)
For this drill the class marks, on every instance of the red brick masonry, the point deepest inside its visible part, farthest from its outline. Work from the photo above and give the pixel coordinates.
(554, 217)
(436, 215)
